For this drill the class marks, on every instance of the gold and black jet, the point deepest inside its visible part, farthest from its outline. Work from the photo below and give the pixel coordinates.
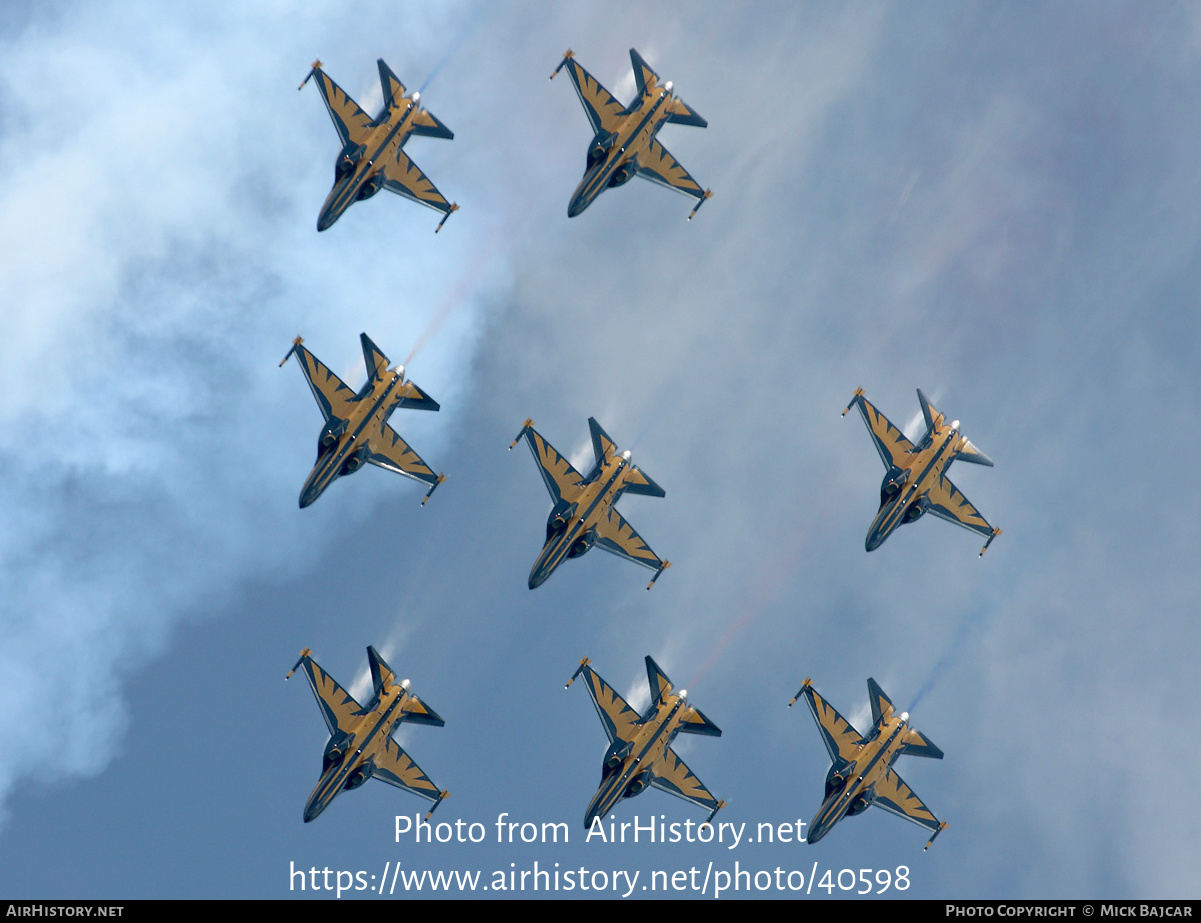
(360, 736)
(640, 753)
(584, 512)
(372, 158)
(916, 481)
(623, 144)
(356, 425)
(861, 773)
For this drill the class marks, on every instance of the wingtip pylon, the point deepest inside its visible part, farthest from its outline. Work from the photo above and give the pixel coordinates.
(303, 654)
(995, 533)
(708, 820)
(442, 796)
(567, 56)
(454, 207)
(941, 827)
(658, 573)
(854, 397)
(805, 685)
(296, 342)
(524, 426)
(437, 481)
(708, 194)
(309, 76)
(580, 669)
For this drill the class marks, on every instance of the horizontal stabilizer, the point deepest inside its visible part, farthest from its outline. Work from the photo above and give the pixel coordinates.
(915, 743)
(882, 707)
(695, 722)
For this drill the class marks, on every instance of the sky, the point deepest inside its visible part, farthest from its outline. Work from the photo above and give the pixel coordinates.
(998, 203)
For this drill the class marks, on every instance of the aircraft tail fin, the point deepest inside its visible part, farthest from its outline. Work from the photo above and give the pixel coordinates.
(882, 707)
(916, 743)
(381, 674)
(929, 411)
(393, 89)
(660, 684)
(643, 72)
(602, 446)
(373, 357)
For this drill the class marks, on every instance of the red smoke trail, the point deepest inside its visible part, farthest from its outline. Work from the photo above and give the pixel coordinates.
(768, 580)
(456, 297)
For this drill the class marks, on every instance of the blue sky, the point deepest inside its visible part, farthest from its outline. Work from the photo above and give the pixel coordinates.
(994, 202)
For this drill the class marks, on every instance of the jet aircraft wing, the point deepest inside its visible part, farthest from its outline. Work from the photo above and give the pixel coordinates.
(389, 451)
(338, 706)
(842, 741)
(405, 178)
(394, 766)
(350, 121)
(894, 796)
(946, 502)
(332, 394)
(603, 111)
(614, 712)
(673, 776)
(890, 441)
(657, 165)
(560, 476)
(618, 537)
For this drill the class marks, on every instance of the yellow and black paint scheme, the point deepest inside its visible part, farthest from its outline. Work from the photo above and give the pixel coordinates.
(356, 427)
(861, 772)
(623, 144)
(916, 479)
(360, 736)
(584, 512)
(372, 156)
(640, 753)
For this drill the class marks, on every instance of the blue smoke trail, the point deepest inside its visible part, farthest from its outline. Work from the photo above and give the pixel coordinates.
(455, 44)
(972, 623)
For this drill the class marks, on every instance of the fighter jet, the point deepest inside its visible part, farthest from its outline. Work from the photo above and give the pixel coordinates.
(640, 751)
(584, 513)
(360, 736)
(356, 425)
(624, 145)
(861, 773)
(371, 158)
(916, 481)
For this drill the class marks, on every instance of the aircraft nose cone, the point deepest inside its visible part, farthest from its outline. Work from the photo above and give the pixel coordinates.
(312, 810)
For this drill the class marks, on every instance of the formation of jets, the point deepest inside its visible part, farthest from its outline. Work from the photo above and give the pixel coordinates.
(861, 773)
(640, 753)
(584, 511)
(356, 427)
(356, 432)
(360, 736)
(624, 144)
(916, 481)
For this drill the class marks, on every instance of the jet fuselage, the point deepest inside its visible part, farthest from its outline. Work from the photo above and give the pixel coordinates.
(619, 161)
(571, 532)
(903, 490)
(354, 762)
(358, 172)
(633, 774)
(339, 448)
(857, 790)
